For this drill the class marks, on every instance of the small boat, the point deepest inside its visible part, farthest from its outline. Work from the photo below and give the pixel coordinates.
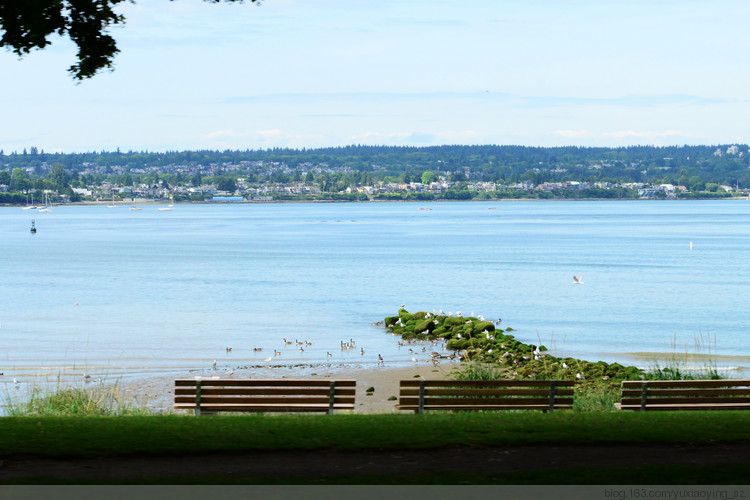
(46, 207)
(168, 207)
(135, 208)
(33, 228)
(32, 206)
(112, 205)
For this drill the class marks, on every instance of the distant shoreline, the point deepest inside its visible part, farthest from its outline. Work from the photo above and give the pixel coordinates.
(104, 203)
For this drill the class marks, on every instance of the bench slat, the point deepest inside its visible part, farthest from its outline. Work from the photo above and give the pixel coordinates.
(207, 400)
(633, 384)
(543, 407)
(701, 406)
(240, 391)
(486, 392)
(686, 392)
(482, 401)
(485, 383)
(264, 408)
(264, 382)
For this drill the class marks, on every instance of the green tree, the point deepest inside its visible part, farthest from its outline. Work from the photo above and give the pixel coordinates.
(59, 178)
(427, 177)
(26, 25)
(225, 184)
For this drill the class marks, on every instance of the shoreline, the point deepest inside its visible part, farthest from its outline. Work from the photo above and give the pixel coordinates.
(139, 202)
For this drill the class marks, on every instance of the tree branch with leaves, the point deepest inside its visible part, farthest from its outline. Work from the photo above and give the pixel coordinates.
(27, 25)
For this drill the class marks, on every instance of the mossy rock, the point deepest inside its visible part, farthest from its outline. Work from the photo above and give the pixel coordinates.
(425, 324)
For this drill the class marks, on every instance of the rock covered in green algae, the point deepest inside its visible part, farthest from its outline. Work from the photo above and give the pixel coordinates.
(478, 340)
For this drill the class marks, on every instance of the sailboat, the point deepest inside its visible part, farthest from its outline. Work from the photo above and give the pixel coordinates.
(112, 205)
(32, 206)
(46, 207)
(168, 207)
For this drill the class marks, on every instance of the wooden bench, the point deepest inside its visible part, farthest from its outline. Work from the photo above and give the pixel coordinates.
(545, 395)
(650, 395)
(207, 396)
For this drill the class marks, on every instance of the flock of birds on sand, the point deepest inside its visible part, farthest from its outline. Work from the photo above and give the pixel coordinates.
(413, 347)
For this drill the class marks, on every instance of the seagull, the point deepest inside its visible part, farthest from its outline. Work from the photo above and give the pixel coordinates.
(230, 372)
(414, 359)
(565, 365)
(268, 359)
(579, 376)
(75, 303)
(577, 280)
(214, 364)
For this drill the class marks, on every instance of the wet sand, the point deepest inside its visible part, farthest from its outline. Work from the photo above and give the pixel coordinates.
(157, 393)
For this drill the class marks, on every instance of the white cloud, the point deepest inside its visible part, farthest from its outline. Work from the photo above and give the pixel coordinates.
(574, 134)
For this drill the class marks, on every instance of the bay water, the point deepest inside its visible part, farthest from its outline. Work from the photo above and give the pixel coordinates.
(126, 293)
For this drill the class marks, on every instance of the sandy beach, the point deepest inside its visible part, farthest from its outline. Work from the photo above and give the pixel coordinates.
(157, 393)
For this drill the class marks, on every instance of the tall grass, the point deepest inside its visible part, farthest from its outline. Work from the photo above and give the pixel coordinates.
(684, 365)
(480, 371)
(75, 402)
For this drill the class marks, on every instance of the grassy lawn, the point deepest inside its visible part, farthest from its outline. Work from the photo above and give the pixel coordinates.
(112, 436)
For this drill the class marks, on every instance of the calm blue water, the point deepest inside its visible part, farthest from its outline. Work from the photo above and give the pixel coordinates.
(167, 291)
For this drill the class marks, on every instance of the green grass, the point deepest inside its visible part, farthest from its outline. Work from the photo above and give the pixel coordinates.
(117, 436)
(75, 402)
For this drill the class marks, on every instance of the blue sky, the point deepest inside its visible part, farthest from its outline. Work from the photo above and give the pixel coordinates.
(301, 73)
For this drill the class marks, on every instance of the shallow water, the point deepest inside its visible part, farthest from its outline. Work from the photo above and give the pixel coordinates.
(114, 292)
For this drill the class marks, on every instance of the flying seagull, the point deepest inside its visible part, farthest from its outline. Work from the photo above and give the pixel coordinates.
(577, 280)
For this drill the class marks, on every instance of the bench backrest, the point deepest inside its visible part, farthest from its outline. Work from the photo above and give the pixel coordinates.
(545, 395)
(643, 395)
(269, 395)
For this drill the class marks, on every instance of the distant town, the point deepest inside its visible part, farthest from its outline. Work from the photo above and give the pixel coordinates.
(377, 173)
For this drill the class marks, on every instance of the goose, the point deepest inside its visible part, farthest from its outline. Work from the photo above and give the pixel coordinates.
(380, 359)
(229, 349)
(328, 354)
(362, 351)
(276, 353)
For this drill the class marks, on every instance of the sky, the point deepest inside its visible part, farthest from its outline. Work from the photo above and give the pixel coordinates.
(298, 73)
